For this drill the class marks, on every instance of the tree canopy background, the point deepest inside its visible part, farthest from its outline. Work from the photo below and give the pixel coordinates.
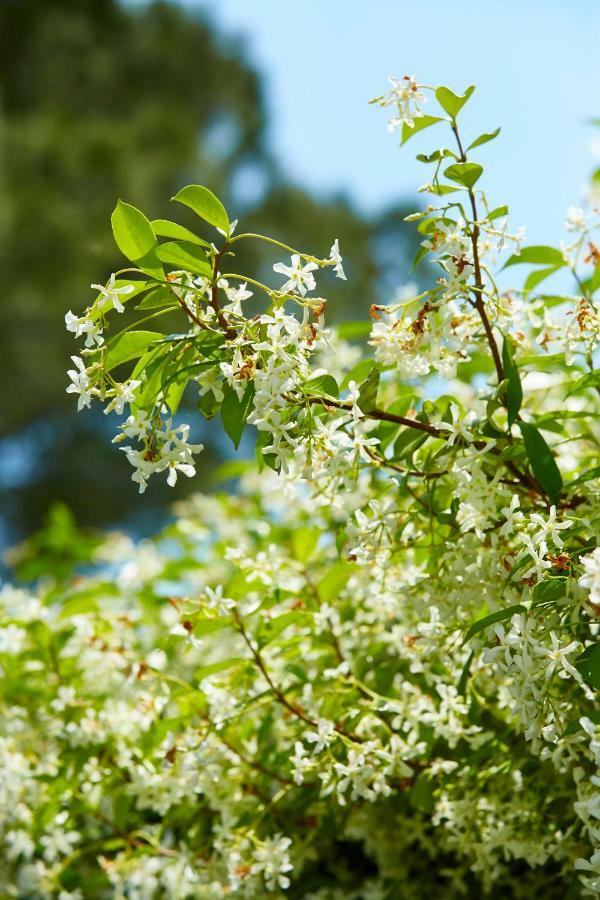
(97, 102)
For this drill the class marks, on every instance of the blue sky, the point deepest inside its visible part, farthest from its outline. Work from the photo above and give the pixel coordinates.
(536, 65)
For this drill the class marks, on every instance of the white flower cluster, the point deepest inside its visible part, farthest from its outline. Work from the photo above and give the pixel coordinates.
(374, 672)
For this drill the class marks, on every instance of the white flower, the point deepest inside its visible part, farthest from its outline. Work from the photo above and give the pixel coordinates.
(300, 278)
(576, 219)
(111, 292)
(272, 861)
(236, 296)
(460, 428)
(557, 658)
(513, 516)
(353, 398)
(591, 578)
(548, 528)
(186, 631)
(176, 466)
(301, 762)
(405, 96)
(538, 557)
(124, 394)
(216, 600)
(80, 383)
(335, 257)
(323, 736)
(84, 325)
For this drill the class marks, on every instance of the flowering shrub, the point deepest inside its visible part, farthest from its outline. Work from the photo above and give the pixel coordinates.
(373, 672)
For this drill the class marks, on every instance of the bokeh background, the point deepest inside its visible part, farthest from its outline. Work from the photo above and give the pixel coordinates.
(266, 103)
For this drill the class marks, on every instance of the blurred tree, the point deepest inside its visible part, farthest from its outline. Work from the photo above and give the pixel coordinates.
(99, 101)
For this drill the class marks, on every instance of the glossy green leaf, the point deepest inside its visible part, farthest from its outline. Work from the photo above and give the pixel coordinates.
(590, 475)
(235, 411)
(185, 256)
(420, 123)
(165, 228)
(323, 385)
(467, 174)
(535, 278)
(498, 213)
(450, 102)
(304, 542)
(440, 189)
(158, 297)
(128, 345)
(205, 204)
(352, 331)
(484, 139)
(541, 460)
(549, 591)
(499, 616)
(588, 665)
(514, 389)
(217, 667)
(367, 395)
(537, 255)
(591, 380)
(132, 231)
(334, 581)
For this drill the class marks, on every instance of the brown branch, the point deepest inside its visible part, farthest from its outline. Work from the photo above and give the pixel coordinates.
(265, 672)
(478, 286)
(377, 414)
(214, 293)
(191, 315)
(252, 763)
(279, 695)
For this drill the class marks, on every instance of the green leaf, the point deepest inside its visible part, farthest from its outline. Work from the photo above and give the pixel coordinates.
(499, 616)
(419, 255)
(514, 390)
(128, 345)
(535, 278)
(588, 665)
(158, 297)
(351, 331)
(541, 460)
(450, 102)
(234, 412)
(420, 123)
(591, 380)
(272, 628)
(216, 667)
(497, 213)
(304, 542)
(323, 385)
(186, 256)
(440, 189)
(484, 138)
(590, 475)
(421, 793)
(205, 204)
(334, 581)
(133, 232)
(549, 591)
(388, 431)
(367, 394)
(407, 443)
(464, 173)
(165, 228)
(537, 255)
